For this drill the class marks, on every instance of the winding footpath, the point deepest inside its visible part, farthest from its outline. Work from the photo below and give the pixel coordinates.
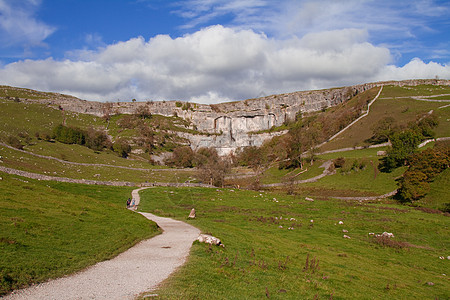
(140, 269)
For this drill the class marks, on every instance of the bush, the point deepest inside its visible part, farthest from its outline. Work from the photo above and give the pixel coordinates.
(143, 112)
(127, 121)
(339, 162)
(96, 140)
(213, 172)
(14, 142)
(122, 148)
(182, 157)
(69, 135)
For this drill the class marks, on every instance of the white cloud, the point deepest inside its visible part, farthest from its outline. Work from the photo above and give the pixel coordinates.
(216, 64)
(18, 26)
(415, 69)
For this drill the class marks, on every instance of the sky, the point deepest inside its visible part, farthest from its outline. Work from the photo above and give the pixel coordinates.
(211, 51)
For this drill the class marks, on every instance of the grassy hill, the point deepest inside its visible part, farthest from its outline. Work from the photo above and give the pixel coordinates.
(396, 102)
(49, 229)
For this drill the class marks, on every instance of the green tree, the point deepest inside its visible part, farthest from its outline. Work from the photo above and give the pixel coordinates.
(182, 157)
(404, 143)
(382, 130)
(423, 168)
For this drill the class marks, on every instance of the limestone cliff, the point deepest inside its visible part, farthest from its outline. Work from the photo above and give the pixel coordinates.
(228, 126)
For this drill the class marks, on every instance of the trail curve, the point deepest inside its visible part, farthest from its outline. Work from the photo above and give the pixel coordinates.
(137, 270)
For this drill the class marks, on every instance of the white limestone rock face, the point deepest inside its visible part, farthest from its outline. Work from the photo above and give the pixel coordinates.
(234, 124)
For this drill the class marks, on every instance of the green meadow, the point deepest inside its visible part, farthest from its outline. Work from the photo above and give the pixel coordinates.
(284, 247)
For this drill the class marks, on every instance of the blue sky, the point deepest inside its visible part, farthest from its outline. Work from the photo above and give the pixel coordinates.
(212, 51)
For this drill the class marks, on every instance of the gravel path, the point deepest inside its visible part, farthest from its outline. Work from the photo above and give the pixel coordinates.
(137, 270)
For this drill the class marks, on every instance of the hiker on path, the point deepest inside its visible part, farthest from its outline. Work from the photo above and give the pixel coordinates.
(128, 202)
(132, 203)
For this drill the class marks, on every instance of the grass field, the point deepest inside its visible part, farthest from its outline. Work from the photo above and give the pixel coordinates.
(311, 261)
(439, 195)
(403, 110)
(50, 229)
(27, 162)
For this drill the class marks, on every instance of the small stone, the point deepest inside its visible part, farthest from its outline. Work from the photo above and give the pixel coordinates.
(192, 214)
(430, 283)
(346, 237)
(312, 221)
(344, 230)
(309, 199)
(340, 222)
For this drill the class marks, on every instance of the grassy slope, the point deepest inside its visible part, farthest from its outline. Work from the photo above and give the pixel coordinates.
(32, 118)
(259, 257)
(403, 110)
(50, 229)
(26, 162)
(439, 194)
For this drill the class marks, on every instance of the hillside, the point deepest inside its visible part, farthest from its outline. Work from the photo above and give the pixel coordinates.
(226, 126)
(61, 226)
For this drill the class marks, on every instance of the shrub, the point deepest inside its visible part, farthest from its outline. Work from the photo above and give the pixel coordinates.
(14, 141)
(127, 121)
(143, 112)
(122, 148)
(182, 157)
(186, 106)
(213, 172)
(339, 162)
(96, 140)
(69, 135)
(178, 104)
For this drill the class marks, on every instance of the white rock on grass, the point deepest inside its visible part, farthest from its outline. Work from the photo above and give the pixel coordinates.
(209, 239)
(346, 237)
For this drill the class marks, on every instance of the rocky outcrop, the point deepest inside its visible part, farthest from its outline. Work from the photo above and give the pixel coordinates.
(228, 126)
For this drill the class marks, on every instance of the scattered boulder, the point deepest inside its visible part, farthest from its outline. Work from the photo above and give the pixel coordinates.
(385, 234)
(340, 223)
(309, 199)
(209, 239)
(192, 214)
(346, 237)
(344, 230)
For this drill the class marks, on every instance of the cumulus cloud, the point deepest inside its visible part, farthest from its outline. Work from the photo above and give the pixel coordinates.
(216, 64)
(18, 26)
